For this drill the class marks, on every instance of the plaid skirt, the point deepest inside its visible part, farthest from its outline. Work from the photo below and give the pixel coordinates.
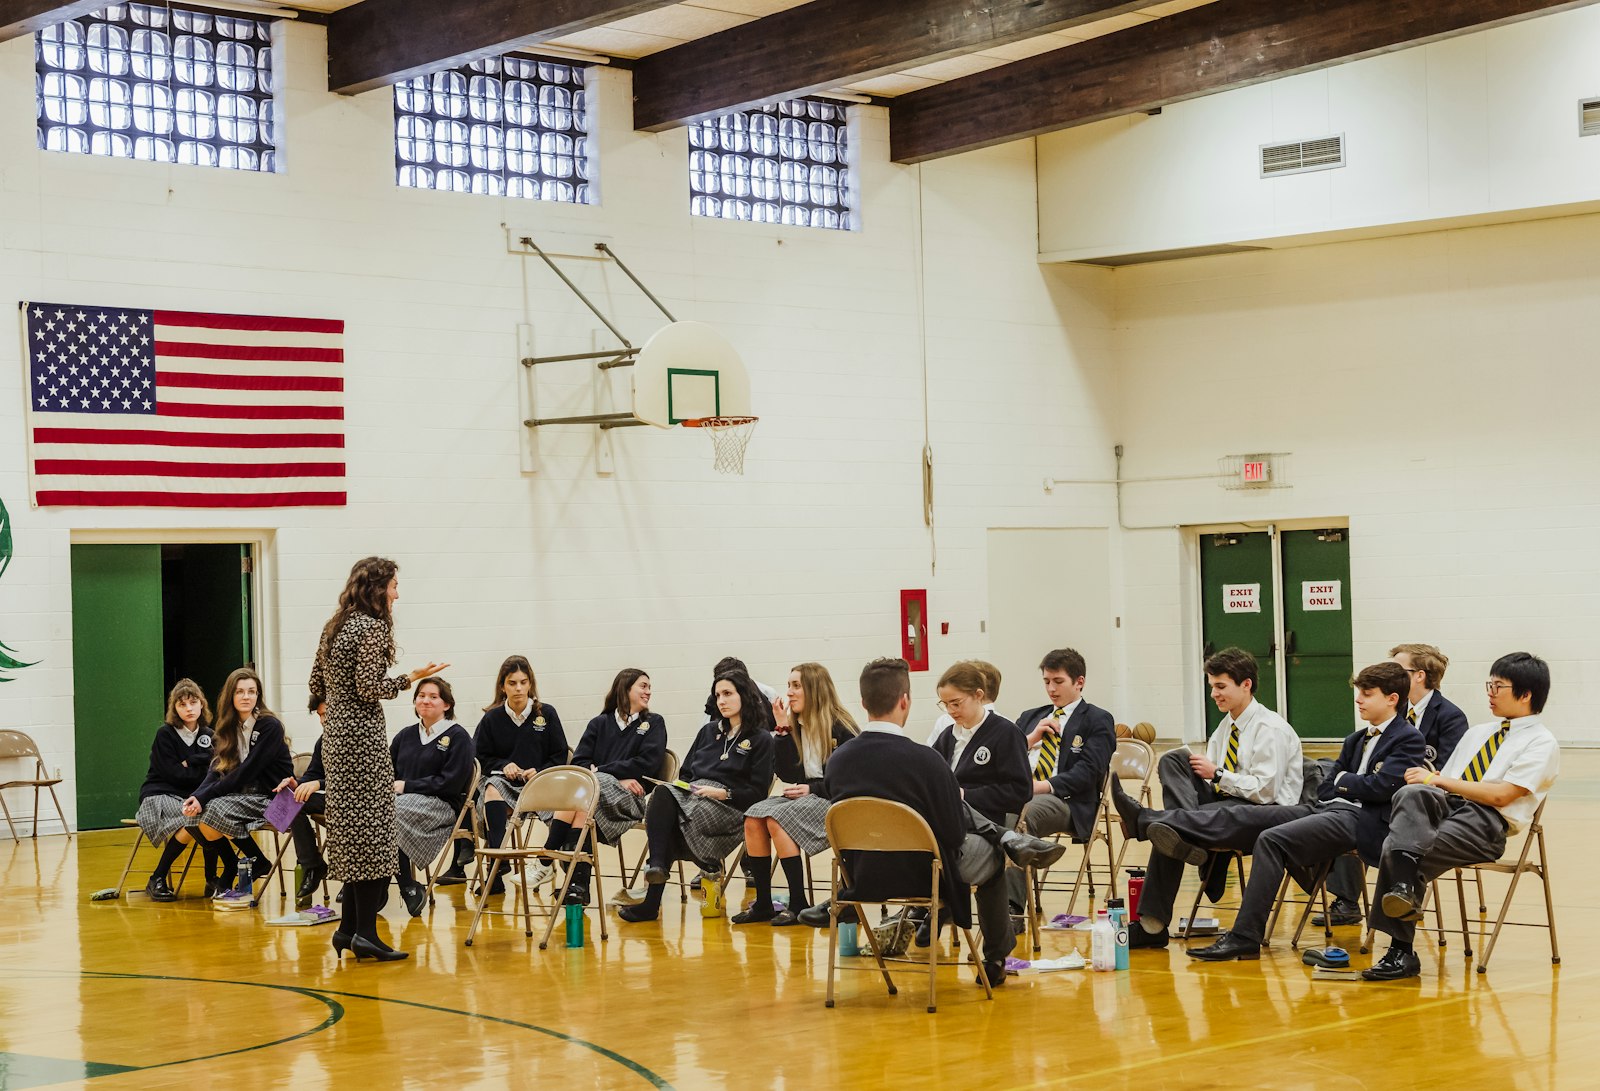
(422, 825)
(619, 811)
(162, 816)
(236, 815)
(804, 819)
(711, 828)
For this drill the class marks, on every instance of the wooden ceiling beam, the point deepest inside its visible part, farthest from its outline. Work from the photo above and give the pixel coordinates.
(19, 17)
(827, 43)
(378, 42)
(1228, 44)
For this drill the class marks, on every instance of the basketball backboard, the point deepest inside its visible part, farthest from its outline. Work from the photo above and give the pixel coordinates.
(688, 370)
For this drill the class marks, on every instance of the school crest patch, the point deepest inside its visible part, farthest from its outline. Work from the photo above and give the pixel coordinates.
(203, 742)
(254, 735)
(538, 722)
(744, 746)
(643, 727)
(1077, 742)
(444, 743)
(982, 756)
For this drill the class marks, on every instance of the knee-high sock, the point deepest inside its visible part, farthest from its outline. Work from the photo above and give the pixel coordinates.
(221, 853)
(496, 813)
(794, 870)
(169, 852)
(759, 871)
(404, 872)
(558, 834)
(661, 828)
(652, 898)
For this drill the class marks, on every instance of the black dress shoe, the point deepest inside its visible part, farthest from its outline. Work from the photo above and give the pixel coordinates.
(158, 890)
(786, 918)
(1343, 912)
(637, 914)
(364, 948)
(1228, 949)
(577, 894)
(656, 876)
(758, 913)
(341, 943)
(1395, 965)
(308, 885)
(1139, 939)
(415, 895)
(1034, 852)
(995, 972)
(1169, 842)
(1128, 809)
(1403, 902)
(816, 916)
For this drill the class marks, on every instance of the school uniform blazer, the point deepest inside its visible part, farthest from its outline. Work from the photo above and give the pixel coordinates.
(746, 771)
(1088, 740)
(625, 753)
(314, 768)
(1399, 748)
(1442, 724)
(993, 770)
(791, 767)
(498, 740)
(443, 768)
(893, 767)
(177, 768)
(261, 771)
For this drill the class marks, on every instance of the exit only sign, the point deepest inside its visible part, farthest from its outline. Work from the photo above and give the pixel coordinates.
(1255, 470)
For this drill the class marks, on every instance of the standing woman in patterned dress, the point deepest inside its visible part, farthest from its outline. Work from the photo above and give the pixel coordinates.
(356, 649)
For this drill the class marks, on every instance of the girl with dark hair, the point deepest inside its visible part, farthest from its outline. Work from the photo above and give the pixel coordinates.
(518, 736)
(794, 822)
(623, 745)
(432, 769)
(728, 769)
(249, 757)
(179, 757)
(356, 648)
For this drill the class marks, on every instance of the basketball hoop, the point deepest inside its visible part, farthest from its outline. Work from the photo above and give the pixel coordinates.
(729, 437)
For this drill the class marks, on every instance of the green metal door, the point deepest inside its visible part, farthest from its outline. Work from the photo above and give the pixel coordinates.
(117, 694)
(1237, 606)
(1316, 633)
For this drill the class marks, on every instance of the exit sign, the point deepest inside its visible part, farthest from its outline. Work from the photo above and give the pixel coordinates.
(1256, 470)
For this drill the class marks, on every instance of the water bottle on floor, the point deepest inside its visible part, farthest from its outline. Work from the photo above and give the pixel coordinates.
(575, 923)
(1102, 943)
(1119, 925)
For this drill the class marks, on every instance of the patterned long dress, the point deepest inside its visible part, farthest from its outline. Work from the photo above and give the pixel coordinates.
(355, 750)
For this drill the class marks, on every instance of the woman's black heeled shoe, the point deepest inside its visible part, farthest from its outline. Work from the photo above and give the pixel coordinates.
(365, 948)
(342, 943)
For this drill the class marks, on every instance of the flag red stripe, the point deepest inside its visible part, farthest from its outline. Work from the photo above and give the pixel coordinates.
(121, 467)
(252, 412)
(115, 499)
(203, 351)
(248, 382)
(158, 438)
(248, 322)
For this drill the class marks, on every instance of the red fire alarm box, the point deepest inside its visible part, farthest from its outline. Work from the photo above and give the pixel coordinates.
(914, 628)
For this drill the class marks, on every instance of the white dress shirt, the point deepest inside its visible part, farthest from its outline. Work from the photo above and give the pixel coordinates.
(885, 727)
(188, 734)
(962, 736)
(1066, 714)
(1374, 736)
(1422, 706)
(527, 710)
(1269, 757)
(1529, 757)
(245, 731)
(444, 724)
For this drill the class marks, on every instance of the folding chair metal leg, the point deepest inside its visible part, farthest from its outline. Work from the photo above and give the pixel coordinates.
(281, 845)
(833, 934)
(983, 973)
(66, 829)
(483, 898)
(872, 945)
(7, 811)
(123, 879)
(1461, 896)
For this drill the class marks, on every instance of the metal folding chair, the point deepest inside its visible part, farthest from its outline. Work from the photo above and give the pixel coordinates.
(138, 842)
(15, 744)
(1533, 835)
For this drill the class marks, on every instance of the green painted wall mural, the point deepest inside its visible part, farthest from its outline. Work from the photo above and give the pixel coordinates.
(8, 660)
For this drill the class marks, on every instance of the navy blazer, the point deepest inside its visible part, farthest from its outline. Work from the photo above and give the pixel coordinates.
(1442, 725)
(1088, 740)
(993, 770)
(1399, 748)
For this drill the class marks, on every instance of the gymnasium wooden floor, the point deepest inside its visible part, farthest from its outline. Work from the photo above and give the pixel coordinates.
(129, 994)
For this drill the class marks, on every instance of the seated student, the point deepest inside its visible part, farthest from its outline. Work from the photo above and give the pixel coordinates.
(1442, 724)
(729, 769)
(991, 689)
(1253, 758)
(1351, 812)
(518, 736)
(249, 759)
(432, 768)
(179, 757)
(308, 791)
(1488, 789)
(623, 745)
(727, 665)
(794, 822)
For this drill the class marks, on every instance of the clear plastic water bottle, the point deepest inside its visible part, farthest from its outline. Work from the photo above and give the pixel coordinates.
(1102, 943)
(1119, 925)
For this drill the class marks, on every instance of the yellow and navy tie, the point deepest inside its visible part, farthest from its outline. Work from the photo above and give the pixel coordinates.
(1049, 750)
(1411, 715)
(1231, 761)
(1480, 762)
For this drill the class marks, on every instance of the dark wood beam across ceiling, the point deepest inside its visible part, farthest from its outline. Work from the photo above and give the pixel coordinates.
(378, 42)
(827, 43)
(1228, 44)
(19, 17)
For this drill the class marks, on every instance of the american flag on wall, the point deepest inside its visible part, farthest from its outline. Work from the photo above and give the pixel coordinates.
(148, 408)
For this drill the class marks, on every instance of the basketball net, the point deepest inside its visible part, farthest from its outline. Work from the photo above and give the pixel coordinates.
(729, 437)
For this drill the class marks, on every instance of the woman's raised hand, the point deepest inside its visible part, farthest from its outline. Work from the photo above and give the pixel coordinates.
(425, 672)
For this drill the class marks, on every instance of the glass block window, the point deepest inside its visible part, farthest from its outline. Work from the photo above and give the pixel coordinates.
(161, 83)
(505, 126)
(786, 164)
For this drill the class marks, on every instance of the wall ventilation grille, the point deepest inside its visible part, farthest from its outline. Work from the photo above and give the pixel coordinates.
(1301, 156)
(1589, 117)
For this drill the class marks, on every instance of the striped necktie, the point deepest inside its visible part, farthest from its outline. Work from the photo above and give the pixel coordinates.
(1049, 750)
(1480, 762)
(1411, 715)
(1231, 762)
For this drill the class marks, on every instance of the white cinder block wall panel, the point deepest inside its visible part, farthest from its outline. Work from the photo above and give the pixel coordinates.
(663, 563)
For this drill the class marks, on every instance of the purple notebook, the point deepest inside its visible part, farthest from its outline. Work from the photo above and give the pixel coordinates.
(282, 810)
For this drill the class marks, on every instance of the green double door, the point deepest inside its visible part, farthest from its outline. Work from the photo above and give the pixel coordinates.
(1244, 578)
(144, 616)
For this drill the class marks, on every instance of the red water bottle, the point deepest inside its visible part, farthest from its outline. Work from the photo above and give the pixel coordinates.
(1135, 891)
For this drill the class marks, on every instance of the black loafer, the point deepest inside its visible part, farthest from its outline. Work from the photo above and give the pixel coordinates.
(816, 916)
(785, 919)
(995, 972)
(1394, 966)
(1034, 852)
(1344, 913)
(1169, 842)
(755, 915)
(1139, 939)
(415, 895)
(1403, 902)
(637, 914)
(577, 894)
(1229, 948)
(308, 885)
(158, 890)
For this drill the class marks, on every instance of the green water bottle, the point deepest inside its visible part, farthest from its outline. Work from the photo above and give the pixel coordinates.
(575, 922)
